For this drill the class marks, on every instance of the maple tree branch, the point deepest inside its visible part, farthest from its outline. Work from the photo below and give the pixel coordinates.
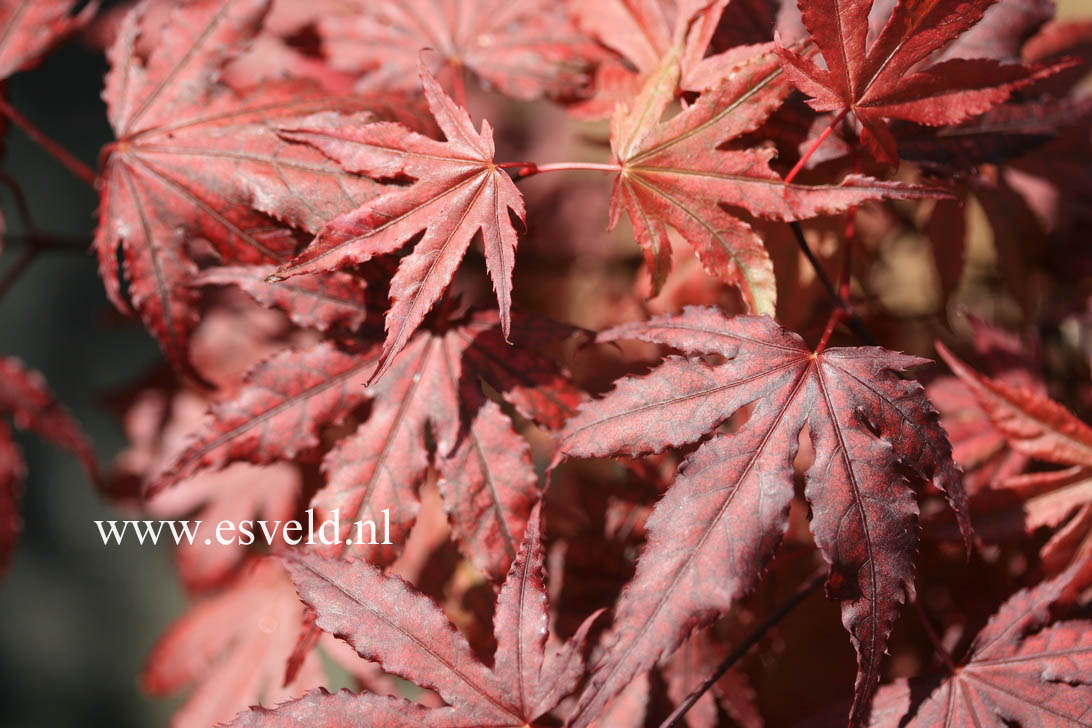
(62, 155)
(815, 146)
(529, 169)
(744, 647)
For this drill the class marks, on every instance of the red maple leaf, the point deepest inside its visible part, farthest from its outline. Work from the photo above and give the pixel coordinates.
(232, 648)
(1020, 670)
(977, 445)
(323, 301)
(525, 48)
(457, 191)
(25, 396)
(432, 392)
(1036, 426)
(719, 524)
(385, 620)
(888, 80)
(29, 28)
(195, 160)
(675, 173)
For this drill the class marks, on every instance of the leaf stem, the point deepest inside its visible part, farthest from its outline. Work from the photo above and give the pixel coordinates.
(815, 147)
(62, 155)
(529, 169)
(743, 647)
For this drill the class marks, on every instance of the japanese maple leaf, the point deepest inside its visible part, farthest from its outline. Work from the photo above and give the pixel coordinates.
(432, 393)
(525, 48)
(1036, 427)
(719, 524)
(977, 445)
(195, 161)
(323, 301)
(457, 191)
(25, 397)
(886, 80)
(648, 36)
(385, 620)
(29, 28)
(232, 648)
(675, 174)
(1021, 670)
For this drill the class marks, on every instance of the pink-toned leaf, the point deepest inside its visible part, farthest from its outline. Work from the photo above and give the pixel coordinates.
(458, 191)
(385, 620)
(321, 301)
(674, 173)
(195, 160)
(524, 48)
(29, 28)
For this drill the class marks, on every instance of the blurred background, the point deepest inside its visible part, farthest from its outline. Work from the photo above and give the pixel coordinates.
(78, 617)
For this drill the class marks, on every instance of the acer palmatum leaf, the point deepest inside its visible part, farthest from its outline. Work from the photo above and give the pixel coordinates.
(977, 445)
(647, 35)
(387, 621)
(324, 301)
(232, 648)
(12, 472)
(887, 79)
(1033, 424)
(29, 28)
(25, 396)
(457, 191)
(731, 497)
(277, 413)
(524, 48)
(674, 174)
(1021, 670)
(195, 160)
(431, 394)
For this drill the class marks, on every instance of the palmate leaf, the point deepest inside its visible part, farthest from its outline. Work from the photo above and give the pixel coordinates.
(675, 174)
(385, 620)
(719, 524)
(886, 80)
(525, 48)
(26, 398)
(194, 160)
(29, 28)
(432, 393)
(231, 648)
(1019, 671)
(457, 191)
(323, 301)
(1035, 426)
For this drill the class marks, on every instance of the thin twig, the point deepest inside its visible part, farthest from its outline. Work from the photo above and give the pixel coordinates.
(62, 155)
(750, 641)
